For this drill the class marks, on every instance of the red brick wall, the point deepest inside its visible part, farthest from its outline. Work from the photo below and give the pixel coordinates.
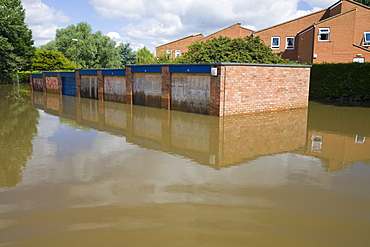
(259, 88)
(288, 29)
(340, 48)
(305, 45)
(181, 45)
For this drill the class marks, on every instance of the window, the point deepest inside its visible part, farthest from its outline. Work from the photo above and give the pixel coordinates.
(290, 43)
(275, 43)
(324, 34)
(169, 53)
(177, 53)
(360, 139)
(366, 38)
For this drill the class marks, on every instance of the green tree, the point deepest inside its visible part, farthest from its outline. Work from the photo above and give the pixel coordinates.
(50, 46)
(51, 61)
(95, 50)
(128, 56)
(16, 44)
(144, 56)
(365, 2)
(224, 49)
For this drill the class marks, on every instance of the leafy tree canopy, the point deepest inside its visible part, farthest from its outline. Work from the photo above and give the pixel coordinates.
(16, 44)
(224, 49)
(94, 50)
(51, 61)
(144, 56)
(128, 56)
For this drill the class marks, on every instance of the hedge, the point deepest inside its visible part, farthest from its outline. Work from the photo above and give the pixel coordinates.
(343, 81)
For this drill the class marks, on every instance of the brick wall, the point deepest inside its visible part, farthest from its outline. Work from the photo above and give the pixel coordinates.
(236, 89)
(288, 29)
(181, 45)
(259, 88)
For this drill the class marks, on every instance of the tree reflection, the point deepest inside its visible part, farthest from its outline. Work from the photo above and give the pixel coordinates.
(17, 129)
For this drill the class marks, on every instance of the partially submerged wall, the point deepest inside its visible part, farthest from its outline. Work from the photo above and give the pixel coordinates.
(262, 88)
(213, 89)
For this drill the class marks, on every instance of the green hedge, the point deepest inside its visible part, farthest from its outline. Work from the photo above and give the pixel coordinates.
(24, 76)
(344, 81)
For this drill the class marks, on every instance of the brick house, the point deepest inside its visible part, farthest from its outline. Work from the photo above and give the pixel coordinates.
(338, 34)
(176, 48)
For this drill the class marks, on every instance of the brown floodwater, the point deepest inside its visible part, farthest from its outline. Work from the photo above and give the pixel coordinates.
(80, 172)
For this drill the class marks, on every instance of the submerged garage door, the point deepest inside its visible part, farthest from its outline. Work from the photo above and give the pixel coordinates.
(69, 86)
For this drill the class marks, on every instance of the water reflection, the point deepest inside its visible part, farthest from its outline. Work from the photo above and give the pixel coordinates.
(339, 136)
(17, 129)
(110, 174)
(213, 141)
(336, 135)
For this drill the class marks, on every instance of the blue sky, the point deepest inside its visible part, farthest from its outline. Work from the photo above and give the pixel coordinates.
(152, 23)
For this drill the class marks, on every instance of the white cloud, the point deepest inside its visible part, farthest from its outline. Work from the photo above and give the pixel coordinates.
(172, 19)
(42, 20)
(150, 22)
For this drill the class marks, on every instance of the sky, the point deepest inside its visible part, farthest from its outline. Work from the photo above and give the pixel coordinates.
(153, 23)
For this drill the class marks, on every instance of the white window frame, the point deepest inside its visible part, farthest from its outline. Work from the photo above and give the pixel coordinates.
(275, 47)
(177, 53)
(169, 53)
(324, 31)
(286, 43)
(366, 38)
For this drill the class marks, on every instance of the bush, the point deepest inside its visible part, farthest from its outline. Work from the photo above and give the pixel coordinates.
(343, 81)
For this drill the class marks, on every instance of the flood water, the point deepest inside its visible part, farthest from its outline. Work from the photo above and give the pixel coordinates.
(79, 172)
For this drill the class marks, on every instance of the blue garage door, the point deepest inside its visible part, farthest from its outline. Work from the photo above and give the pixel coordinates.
(69, 86)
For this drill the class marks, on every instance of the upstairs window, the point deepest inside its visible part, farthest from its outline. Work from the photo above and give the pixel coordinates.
(324, 34)
(177, 53)
(290, 43)
(169, 53)
(275, 43)
(366, 38)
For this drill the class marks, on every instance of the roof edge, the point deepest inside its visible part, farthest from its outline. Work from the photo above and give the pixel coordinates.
(323, 10)
(335, 16)
(194, 35)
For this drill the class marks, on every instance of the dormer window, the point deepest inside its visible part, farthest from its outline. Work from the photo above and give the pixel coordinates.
(324, 34)
(366, 38)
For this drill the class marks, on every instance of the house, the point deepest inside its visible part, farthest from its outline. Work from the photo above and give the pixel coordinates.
(338, 34)
(176, 48)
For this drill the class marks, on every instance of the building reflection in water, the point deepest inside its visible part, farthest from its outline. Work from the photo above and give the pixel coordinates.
(214, 141)
(322, 131)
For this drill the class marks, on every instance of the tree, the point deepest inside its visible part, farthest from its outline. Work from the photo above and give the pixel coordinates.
(51, 61)
(365, 2)
(16, 44)
(95, 50)
(144, 56)
(224, 49)
(128, 56)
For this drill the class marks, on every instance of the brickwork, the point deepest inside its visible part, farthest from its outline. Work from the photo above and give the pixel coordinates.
(166, 88)
(129, 83)
(288, 29)
(181, 45)
(253, 89)
(215, 92)
(78, 83)
(100, 85)
(235, 89)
